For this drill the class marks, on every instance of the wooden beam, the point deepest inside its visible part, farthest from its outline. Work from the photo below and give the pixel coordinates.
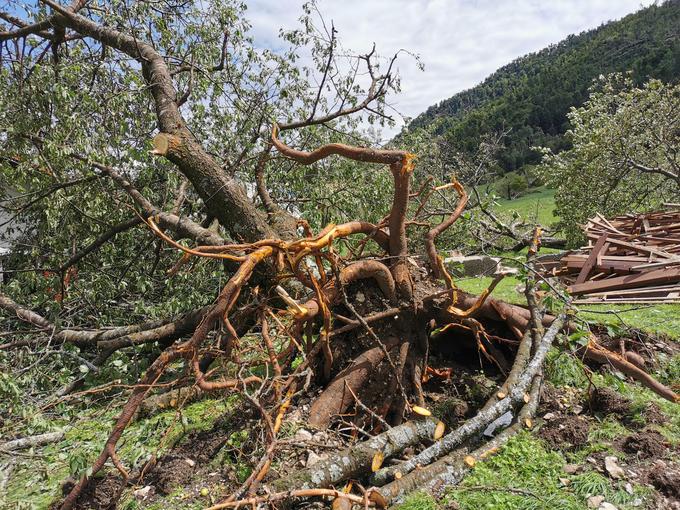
(592, 259)
(659, 276)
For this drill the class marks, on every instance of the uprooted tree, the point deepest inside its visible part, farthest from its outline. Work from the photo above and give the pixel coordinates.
(357, 302)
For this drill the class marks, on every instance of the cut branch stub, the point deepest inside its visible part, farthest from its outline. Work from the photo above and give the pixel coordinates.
(165, 143)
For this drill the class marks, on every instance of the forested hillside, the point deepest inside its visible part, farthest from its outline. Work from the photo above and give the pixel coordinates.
(531, 96)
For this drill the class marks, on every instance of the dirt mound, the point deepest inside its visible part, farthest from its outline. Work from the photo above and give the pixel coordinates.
(606, 401)
(665, 477)
(654, 414)
(645, 444)
(564, 433)
(102, 493)
(550, 399)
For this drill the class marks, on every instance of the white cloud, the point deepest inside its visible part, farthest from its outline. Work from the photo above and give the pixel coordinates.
(459, 41)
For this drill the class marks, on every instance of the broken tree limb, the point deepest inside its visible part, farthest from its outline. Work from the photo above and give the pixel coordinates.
(105, 339)
(450, 469)
(475, 425)
(597, 353)
(256, 502)
(357, 459)
(31, 441)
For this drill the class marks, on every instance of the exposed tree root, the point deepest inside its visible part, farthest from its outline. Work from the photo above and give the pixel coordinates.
(369, 355)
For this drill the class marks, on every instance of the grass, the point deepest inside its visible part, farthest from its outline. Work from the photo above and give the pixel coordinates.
(537, 204)
(526, 475)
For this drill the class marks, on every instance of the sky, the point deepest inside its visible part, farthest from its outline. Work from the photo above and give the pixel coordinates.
(460, 42)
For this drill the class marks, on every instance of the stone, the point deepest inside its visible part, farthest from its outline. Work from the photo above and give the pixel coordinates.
(144, 492)
(191, 462)
(614, 470)
(312, 459)
(303, 435)
(475, 265)
(549, 416)
(571, 469)
(594, 501)
(606, 506)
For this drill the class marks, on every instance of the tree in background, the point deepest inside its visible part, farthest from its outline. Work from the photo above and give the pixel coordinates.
(624, 156)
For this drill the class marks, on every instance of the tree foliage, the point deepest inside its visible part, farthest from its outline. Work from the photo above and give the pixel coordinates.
(626, 141)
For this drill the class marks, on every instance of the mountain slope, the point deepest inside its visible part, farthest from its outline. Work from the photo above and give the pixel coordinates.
(532, 95)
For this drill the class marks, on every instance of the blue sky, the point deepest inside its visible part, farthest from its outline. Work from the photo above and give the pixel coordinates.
(460, 42)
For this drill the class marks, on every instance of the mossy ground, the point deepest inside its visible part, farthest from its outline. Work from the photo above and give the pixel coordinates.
(36, 476)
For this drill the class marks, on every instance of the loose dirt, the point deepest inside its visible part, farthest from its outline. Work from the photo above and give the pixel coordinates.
(566, 433)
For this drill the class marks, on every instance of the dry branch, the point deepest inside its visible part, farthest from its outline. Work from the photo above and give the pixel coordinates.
(31, 441)
(356, 460)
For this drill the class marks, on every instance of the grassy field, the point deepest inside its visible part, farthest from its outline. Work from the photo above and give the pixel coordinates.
(537, 205)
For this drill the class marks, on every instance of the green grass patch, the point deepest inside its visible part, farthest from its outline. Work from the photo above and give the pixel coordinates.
(536, 205)
(658, 319)
(419, 501)
(523, 475)
(506, 289)
(527, 476)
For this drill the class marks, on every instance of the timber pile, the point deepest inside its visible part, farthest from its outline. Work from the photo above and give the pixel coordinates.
(630, 259)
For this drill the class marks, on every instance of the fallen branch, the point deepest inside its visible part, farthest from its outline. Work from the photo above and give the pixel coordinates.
(31, 441)
(482, 419)
(356, 460)
(451, 469)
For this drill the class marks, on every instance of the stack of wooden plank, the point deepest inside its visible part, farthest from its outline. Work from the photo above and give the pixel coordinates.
(630, 259)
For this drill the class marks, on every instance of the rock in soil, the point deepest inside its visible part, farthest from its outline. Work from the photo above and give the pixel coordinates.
(144, 492)
(571, 469)
(563, 433)
(612, 467)
(606, 401)
(645, 444)
(594, 501)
